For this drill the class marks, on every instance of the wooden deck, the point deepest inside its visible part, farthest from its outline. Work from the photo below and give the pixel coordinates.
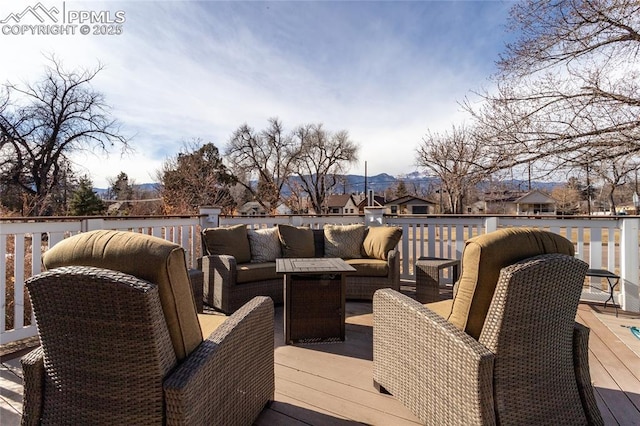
(331, 384)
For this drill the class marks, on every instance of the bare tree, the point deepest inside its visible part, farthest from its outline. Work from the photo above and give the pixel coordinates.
(615, 173)
(568, 90)
(195, 177)
(266, 156)
(42, 123)
(322, 158)
(454, 158)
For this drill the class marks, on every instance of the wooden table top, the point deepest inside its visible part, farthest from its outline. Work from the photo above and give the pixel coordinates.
(312, 265)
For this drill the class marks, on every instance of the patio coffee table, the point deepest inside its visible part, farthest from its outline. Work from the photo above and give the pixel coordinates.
(314, 298)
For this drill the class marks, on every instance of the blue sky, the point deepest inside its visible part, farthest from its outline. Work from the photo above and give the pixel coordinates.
(384, 71)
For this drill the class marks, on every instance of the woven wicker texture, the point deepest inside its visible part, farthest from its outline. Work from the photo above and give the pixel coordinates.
(106, 352)
(522, 371)
(104, 361)
(230, 377)
(440, 373)
(583, 376)
(529, 327)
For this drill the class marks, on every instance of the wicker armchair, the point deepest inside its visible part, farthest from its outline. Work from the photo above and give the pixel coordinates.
(109, 353)
(529, 364)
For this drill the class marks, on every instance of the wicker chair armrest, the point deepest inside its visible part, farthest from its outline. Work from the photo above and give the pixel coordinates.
(393, 261)
(439, 372)
(33, 391)
(583, 376)
(229, 378)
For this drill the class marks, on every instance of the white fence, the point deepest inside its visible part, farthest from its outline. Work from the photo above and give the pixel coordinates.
(22, 243)
(604, 242)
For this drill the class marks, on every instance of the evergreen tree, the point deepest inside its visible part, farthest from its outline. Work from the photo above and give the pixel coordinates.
(85, 202)
(120, 187)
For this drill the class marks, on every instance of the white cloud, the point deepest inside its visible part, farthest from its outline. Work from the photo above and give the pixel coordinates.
(384, 71)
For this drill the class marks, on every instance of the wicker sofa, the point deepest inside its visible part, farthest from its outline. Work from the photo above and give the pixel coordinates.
(505, 350)
(240, 263)
(122, 343)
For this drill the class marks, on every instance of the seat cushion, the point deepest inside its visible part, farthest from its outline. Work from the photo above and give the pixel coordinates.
(296, 241)
(442, 308)
(369, 267)
(344, 241)
(231, 240)
(249, 272)
(149, 258)
(380, 240)
(483, 258)
(210, 321)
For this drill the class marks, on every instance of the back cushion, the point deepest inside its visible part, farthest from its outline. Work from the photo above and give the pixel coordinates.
(296, 241)
(231, 240)
(380, 240)
(483, 258)
(344, 241)
(265, 245)
(149, 258)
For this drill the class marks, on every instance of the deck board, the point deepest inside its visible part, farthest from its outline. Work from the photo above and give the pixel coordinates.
(331, 384)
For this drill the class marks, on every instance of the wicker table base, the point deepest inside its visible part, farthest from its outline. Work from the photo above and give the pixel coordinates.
(428, 277)
(314, 295)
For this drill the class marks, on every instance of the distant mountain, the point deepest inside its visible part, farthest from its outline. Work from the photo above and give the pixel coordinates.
(355, 184)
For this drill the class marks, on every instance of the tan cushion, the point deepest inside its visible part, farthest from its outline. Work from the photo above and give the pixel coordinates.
(149, 258)
(442, 308)
(232, 240)
(210, 322)
(249, 272)
(344, 241)
(483, 258)
(369, 267)
(380, 240)
(296, 241)
(264, 244)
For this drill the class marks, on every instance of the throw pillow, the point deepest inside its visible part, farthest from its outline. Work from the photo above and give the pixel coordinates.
(344, 241)
(380, 240)
(296, 241)
(264, 244)
(230, 240)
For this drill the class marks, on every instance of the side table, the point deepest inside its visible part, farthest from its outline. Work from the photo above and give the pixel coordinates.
(612, 280)
(428, 276)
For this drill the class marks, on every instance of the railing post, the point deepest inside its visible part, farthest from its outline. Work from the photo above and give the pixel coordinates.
(629, 298)
(490, 224)
(209, 217)
(374, 216)
(91, 225)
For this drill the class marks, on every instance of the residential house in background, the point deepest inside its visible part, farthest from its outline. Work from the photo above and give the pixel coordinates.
(410, 205)
(378, 201)
(533, 202)
(536, 202)
(252, 208)
(340, 204)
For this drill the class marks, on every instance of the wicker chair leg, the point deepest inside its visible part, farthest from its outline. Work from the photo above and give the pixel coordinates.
(380, 388)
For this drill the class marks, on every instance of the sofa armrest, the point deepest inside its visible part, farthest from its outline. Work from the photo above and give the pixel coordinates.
(220, 275)
(33, 391)
(393, 260)
(440, 373)
(229, 378)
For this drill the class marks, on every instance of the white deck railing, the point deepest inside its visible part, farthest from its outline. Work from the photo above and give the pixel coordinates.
(604, 242)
